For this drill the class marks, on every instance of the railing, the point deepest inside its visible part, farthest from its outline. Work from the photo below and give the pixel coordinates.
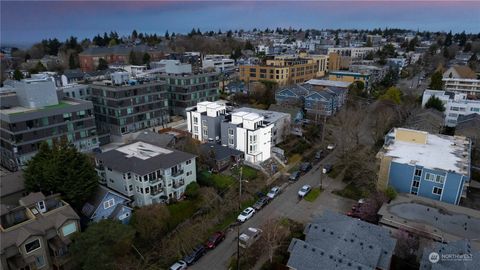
(156, 192)
(179, 184)
(177, 173)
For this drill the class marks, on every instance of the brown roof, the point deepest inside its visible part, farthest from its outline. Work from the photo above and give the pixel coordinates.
(465, 72)
(32, 198)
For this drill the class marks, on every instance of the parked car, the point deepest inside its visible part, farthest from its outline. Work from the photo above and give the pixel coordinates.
(273, 192)
(246, 214)
(318, 154)
(304, 191)
(294, 176)
(261, 203)
(196, 254)
(305, 167)
(330, 146)
(249, 237)
(215, 239)
(327, 168)
(180, 265)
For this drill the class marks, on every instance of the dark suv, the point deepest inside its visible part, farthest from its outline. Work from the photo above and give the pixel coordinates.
(305, 167)
(196, 254)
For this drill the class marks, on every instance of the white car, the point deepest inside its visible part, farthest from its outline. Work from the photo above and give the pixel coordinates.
(304, 191)
(246, 214)
(273, 192)
(331, 146)
(180, 265)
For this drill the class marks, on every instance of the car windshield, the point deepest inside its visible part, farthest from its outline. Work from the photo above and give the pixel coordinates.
(245, 212)
(304, 189)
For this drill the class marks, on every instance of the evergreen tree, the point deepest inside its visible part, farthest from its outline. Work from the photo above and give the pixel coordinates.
(71, 62)
(435, 103)
(167, 36)
(17, 75)
(436, 82)
(448, 39)
(249, 46)
(134, 34)
(105, 242)
(102, 64)
(146, 58)
(132, 59)
(60, 168)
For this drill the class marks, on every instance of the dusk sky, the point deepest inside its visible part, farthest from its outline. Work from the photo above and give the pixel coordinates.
(25, 22)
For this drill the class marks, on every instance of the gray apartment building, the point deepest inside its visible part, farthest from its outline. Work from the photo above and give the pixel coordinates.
(35, 233)
(130, 106)
(34, 111)
(186, 90)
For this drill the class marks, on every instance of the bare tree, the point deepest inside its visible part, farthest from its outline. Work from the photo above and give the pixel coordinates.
(272, 236)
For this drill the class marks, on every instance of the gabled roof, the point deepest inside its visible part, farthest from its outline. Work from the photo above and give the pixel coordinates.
(322, 95)
(221, 152)
(468, 120)
(465, 72)
(97, 198)
(335, 241)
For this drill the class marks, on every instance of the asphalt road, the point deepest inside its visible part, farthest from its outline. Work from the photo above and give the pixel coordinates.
(286, 204)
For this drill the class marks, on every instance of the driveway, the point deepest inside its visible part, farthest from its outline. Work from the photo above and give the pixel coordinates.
(287, 205)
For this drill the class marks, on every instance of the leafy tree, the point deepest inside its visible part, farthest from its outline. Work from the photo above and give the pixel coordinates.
(435, 103)
(192, 190)
(393, 94)
(60, 168)
(436, 82)
(17, 75)
(357, 88)
(105, 241)
(391, 193)
(102, 64)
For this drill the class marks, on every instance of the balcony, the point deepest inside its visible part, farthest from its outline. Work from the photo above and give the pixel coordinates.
(154, 181)
(178, 184)
(156, 192)
(177, 173)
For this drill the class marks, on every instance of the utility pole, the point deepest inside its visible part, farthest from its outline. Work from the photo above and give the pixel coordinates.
(240, 209)
(323, 127)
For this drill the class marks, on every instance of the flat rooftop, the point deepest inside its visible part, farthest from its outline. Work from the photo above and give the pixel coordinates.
(328, 83)
(449, 153)
(20, 109)
(142, 150)
(269, 116)
(447, 221)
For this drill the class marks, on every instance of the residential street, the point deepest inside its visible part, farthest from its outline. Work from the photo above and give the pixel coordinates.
(287, 205)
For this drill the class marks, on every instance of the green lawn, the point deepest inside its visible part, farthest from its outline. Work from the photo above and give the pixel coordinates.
(218, 181)
(312, 195)
(249, 173)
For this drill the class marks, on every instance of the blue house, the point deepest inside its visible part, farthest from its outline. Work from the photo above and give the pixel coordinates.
(107, 204)
(428, 165)
(292, 95)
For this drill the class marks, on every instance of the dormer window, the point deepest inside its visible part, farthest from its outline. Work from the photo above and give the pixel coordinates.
(109, 203)
(32, 246)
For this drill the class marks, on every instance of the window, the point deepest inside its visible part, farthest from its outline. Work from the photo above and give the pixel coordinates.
(124, 216)
(230, 141)
(147, 190)
(195, 120)
(414, 192)
(69, 229)
(430, 177)
(437, 191)
(189, 161)
(109, 203)
(39, 261)
(32, 246)
(416, 184)
(130, 188)
(440, 179)
(418, 172)
(230, 131)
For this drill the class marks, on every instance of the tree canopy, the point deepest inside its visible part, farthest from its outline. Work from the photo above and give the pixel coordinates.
(102, 245)
(393, 94)
(102, 64)
(435, 103)
(17, 75)
(60, 168)
(436, 82)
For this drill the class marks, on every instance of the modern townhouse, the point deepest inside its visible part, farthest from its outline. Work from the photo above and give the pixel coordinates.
(456, 105)
(249, 133)
(187, 89)
(203, 121)
(129, 105)
(34, 111)
(35, 234)
(146, 173)
(428, 165)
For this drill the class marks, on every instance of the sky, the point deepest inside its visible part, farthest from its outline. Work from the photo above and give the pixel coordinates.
(26, 22)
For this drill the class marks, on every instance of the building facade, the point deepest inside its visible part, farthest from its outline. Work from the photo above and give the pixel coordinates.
(203, 121)
(428, 165)
(466, 86)
(350, 77)
(186, 90)
(129, 107)
(34, 111)
(36, 233)
(220, 63)
(456, 105)
(353, 52)
(146, 173)
(282, 70)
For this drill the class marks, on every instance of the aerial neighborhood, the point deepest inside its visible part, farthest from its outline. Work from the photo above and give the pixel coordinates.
(274, 148)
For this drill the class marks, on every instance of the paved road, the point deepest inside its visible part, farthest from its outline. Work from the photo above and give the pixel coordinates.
(286, 204)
